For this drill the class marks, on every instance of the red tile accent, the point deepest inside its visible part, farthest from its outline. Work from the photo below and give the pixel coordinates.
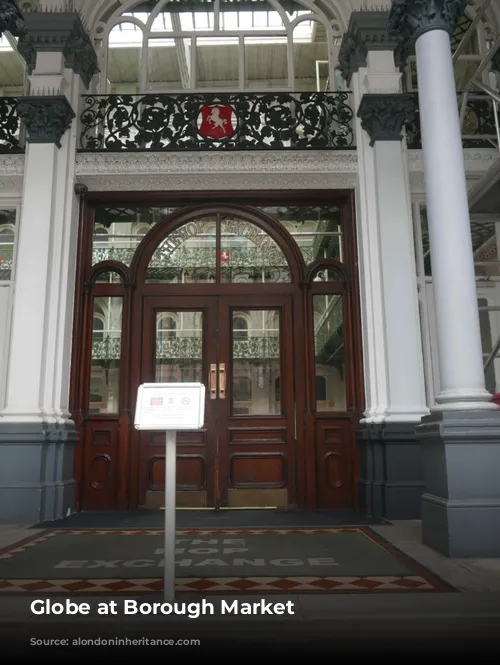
(83, 585)
(410, 584)
(366, 583)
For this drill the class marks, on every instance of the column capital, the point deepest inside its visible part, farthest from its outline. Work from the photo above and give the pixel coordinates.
(11, 19)
(61, 32)
(46, 118)
(367, 31)
(410, 19)
(383, 115)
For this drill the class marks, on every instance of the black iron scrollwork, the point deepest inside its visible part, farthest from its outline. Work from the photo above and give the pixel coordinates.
(478, 127)
(9, 126)
(235, 121)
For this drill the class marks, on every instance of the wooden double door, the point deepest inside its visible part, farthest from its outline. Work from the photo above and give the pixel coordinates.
(241, 348)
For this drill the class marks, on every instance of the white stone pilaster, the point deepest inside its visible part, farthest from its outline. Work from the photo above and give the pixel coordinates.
(394, 376)
(372, 320)
(39, 362)
(30, 316)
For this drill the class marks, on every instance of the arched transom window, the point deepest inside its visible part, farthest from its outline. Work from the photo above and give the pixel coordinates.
(187, 45)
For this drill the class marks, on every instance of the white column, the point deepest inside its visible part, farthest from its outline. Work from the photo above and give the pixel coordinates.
(457, 319)
(392, 347)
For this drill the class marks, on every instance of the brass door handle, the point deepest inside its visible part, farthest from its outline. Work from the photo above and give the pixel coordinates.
(212, 381)
(222, 381)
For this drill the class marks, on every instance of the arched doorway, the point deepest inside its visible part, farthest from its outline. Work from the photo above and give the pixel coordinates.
(216, 295)
(260, 312)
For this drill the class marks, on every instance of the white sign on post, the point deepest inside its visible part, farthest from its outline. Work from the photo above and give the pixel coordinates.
(170, 407)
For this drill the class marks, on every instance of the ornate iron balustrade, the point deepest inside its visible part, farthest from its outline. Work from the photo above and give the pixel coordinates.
(6, 263)
(478, 129)
(108, 348)
(199, 257)
(10, 126)
(209, 121)
(190, 348)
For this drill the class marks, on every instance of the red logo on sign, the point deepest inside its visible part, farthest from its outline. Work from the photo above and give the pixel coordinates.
(216, 122)
(225, 257)
(157, 401)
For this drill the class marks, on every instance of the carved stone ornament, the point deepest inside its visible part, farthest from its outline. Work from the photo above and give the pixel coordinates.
(367, 31)
(11, 19)
(81, 190)
(59, 32)
(383, 115)
(410, 19)
(46, 118)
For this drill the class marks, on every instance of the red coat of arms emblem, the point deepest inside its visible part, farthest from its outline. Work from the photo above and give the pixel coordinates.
(216, 121)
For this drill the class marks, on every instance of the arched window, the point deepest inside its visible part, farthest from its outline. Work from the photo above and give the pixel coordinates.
(175, 45)
(240, 328)
(247, 254)
(98, 328)
(166, 326)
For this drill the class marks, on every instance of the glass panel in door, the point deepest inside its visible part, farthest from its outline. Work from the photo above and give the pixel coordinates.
(176, 349)
(256, 362)
(179, 337)
(256, 412)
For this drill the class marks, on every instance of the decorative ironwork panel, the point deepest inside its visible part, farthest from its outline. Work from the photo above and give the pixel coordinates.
(478, 129)
(210, 121)
(10, 126)
(187, 348)
(107, 349)
(480, 233)
(6, 265)
(123, 255)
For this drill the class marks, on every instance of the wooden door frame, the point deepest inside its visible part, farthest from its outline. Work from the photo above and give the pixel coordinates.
(144, 329)
(264, 301)
(234, 203)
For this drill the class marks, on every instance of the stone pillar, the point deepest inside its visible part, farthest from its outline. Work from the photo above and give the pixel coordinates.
(391, 474)
(11, 18)
(37, 436)
(461, 438)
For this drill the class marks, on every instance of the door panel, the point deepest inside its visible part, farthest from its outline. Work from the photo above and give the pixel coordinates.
(257, 437)
(179, 346)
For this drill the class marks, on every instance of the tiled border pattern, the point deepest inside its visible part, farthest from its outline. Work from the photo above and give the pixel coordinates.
(421, 580)
(221, 585)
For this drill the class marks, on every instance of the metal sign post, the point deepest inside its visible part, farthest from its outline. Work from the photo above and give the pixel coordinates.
(170, 407)
(170, 501)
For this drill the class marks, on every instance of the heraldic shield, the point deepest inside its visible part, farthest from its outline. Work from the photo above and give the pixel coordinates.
(216, 122)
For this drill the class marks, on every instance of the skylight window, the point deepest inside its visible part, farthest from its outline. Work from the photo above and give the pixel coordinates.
(130, 35)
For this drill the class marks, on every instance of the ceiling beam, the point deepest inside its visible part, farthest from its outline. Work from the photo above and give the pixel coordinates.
(182, 52)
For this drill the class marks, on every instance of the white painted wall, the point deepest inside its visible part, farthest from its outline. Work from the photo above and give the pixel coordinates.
(5, 312)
